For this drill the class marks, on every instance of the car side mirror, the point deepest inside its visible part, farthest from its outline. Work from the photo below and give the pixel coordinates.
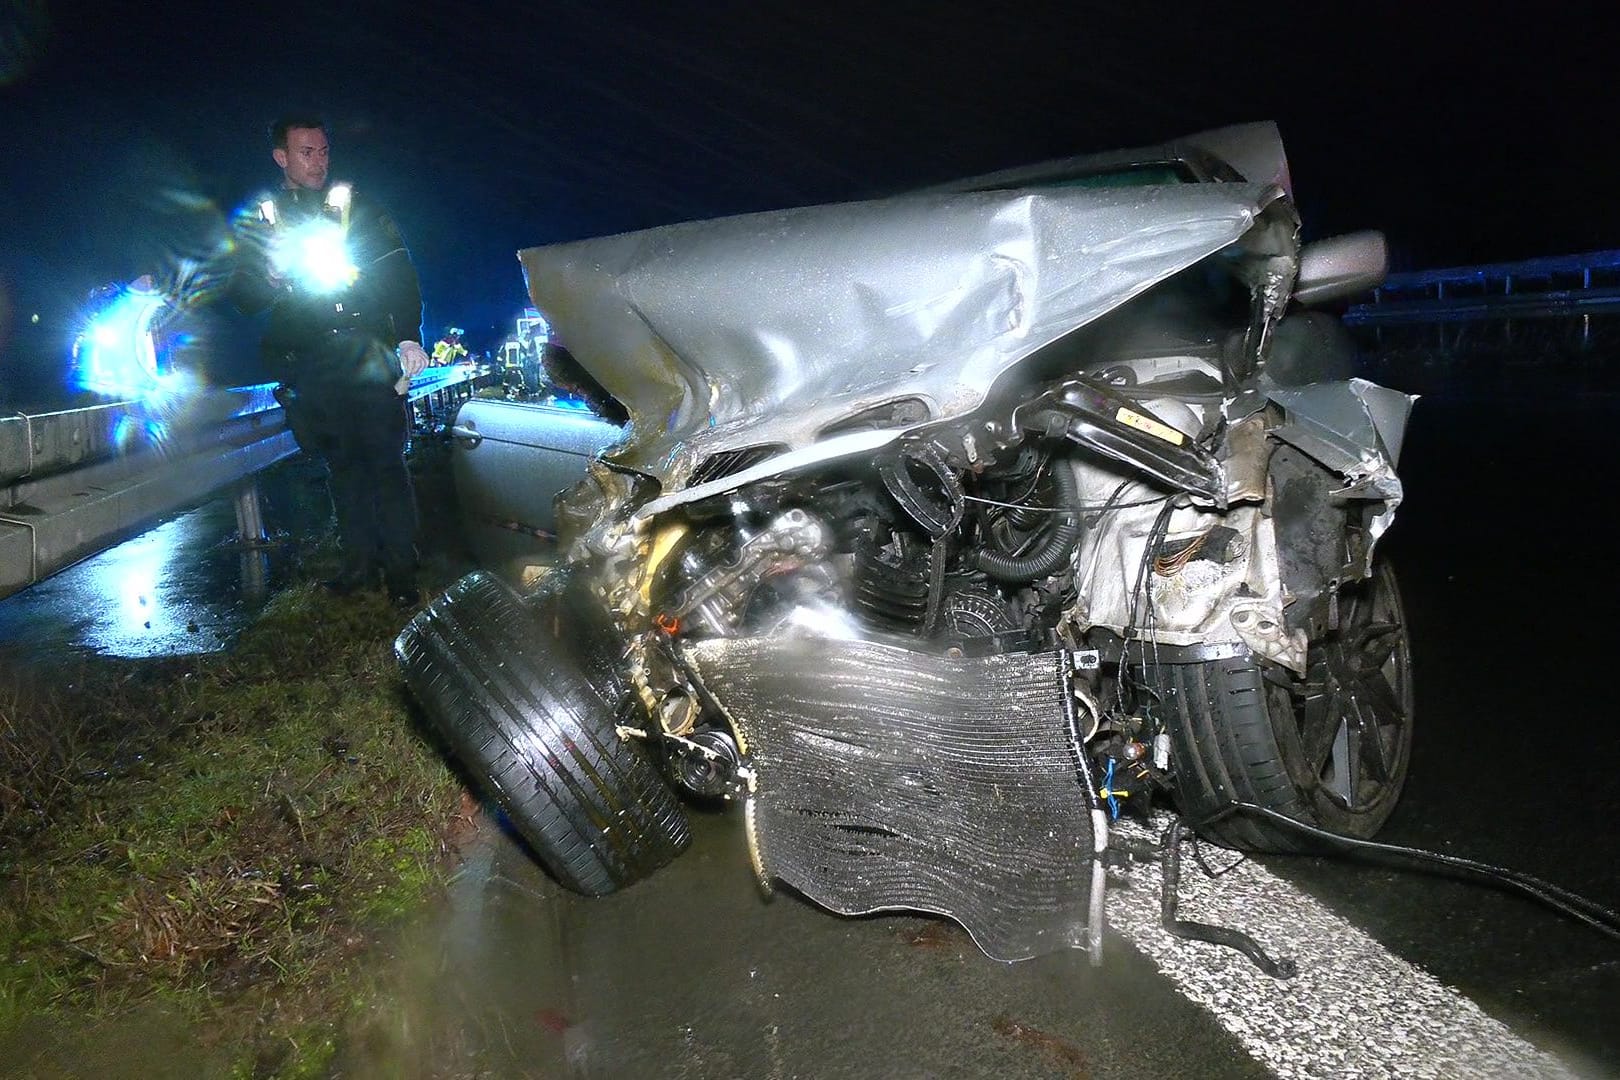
(1341, 266)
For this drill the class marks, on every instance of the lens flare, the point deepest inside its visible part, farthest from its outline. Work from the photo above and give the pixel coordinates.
(316, 255)
(115, 354)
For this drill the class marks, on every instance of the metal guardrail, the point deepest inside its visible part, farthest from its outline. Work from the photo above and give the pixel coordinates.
(437, 392)
(1552, 287)
(42, 444)
(76, 481)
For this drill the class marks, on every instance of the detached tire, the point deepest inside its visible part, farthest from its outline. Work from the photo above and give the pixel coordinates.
(1330, 750)
(525, 693)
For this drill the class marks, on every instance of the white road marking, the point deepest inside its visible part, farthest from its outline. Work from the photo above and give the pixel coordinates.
(1354, 1010)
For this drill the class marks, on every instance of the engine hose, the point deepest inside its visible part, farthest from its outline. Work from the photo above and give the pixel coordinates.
(1025, 517)
(1054, 552)
(935, 514)
(1602, 919)
(1169, 901)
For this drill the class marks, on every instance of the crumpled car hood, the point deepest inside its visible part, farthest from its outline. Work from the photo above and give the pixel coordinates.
(766, 328)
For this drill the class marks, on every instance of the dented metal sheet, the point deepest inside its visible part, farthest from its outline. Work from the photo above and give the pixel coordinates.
(1356, 429)
(768, 328)
(891, 779)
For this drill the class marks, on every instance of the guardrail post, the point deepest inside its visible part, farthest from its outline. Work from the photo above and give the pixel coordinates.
(249, 514)
(255, 566)
(88, 477)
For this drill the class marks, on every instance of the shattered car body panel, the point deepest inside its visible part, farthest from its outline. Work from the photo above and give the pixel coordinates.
(1352, 428)
(1356, 429)
(768, 329)
(931, 510)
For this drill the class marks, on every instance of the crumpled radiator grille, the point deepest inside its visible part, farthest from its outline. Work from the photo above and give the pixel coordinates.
(892, 779)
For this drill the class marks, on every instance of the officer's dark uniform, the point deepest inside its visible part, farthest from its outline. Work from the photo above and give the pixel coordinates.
(334, 353)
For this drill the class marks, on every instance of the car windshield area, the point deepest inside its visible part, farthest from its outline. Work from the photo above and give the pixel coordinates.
(1148, 174)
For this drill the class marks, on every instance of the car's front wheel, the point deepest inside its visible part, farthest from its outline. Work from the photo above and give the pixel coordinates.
(507, 682)
(1330, 750)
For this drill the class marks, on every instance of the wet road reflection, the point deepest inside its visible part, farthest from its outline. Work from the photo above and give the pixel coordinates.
(692, 974)
(141, 598)
(181, 588)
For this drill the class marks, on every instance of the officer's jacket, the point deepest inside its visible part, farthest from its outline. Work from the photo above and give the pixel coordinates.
(384, 301)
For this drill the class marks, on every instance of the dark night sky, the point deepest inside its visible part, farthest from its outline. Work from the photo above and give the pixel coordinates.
(131, 129)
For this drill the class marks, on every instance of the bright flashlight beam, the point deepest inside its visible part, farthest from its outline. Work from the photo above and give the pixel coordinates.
(316, 256)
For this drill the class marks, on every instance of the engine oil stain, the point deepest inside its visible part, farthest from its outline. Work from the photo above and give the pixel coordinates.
(1059, 1050)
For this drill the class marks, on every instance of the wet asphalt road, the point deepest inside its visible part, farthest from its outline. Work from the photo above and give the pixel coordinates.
(1501, 550)
(183, 587)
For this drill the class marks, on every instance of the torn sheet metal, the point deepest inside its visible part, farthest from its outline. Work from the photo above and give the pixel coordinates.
(768, 328)
(1355, 428)
(895, 780)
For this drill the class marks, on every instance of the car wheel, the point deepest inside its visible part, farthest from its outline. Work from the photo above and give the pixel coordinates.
(1331, 749)
(522, 693)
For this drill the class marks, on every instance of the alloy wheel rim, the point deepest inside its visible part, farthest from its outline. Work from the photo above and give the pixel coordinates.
(1355, 708)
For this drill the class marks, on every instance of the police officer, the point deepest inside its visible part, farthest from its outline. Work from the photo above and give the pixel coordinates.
(344, 339)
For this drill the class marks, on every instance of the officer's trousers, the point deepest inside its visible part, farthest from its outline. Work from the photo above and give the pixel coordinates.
(361, 432)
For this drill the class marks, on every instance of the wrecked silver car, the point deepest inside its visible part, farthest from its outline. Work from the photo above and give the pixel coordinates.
(944, 529)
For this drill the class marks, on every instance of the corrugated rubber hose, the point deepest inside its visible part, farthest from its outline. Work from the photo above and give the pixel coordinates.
(1054, 552)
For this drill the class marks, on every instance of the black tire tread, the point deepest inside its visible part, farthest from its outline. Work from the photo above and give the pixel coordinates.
(1224, 750)
(503, 680)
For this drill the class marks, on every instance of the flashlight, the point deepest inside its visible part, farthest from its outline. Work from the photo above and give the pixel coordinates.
(316, 256)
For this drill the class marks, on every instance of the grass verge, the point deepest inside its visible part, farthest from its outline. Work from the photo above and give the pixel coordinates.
(219, 837)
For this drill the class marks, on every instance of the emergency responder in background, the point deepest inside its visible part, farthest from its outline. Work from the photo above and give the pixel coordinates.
(344, 339)
(529, 362)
